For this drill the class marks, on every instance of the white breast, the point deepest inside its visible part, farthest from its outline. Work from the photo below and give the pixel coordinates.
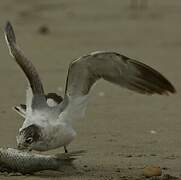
(58, 135)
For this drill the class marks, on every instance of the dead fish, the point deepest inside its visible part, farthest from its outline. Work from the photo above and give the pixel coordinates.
(13, 160)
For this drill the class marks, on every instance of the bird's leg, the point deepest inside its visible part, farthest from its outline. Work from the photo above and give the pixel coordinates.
(65, 149)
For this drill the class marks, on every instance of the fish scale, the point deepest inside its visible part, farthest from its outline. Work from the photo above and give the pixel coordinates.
(13, 160)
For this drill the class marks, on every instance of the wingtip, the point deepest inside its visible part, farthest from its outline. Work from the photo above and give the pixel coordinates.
(9, 33)
(170, 89)
(167, 92)
(8, 24)
(173, 92)
(152, 81)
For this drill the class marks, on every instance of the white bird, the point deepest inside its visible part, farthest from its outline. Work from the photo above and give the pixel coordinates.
(48, 127)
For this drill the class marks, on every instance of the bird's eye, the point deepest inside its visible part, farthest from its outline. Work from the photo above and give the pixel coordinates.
(29, 140)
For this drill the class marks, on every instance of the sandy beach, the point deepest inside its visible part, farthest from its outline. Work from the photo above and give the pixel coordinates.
(123, 132)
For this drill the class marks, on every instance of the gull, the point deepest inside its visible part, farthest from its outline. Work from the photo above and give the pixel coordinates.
(49, 127)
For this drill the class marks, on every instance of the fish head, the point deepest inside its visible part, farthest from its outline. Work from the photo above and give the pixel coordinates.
(29, 136)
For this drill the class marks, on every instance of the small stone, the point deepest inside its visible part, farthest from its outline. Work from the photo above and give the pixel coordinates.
(152, 171)
(118, 170)
(101, 94)
(153, 155)
(43, 30)
(129, 156)
(153, 132)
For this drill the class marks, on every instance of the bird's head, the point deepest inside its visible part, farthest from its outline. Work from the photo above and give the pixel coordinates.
(29, 137)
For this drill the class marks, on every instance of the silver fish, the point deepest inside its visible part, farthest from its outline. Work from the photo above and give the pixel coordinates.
(13, 160)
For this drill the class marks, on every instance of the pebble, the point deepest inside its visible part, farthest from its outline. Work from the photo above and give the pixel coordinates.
(43, 29)
(153, 132)
(129, 156)
(118, 170)
(152, 171)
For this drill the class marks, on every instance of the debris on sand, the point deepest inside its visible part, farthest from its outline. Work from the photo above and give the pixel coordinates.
(165, 177)
(44, 30)
(153, 132)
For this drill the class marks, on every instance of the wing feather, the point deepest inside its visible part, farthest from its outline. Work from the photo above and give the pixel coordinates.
(25, 64)
(117, 69)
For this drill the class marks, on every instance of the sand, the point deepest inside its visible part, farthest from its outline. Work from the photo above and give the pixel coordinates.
(123, 132)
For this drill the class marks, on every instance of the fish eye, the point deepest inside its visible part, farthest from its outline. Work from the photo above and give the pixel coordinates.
(29, 140)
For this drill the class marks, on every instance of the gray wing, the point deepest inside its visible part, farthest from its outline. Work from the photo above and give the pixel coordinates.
(22, 61)
(113, 67)
(117, 69)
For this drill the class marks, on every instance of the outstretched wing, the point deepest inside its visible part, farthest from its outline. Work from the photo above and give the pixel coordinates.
(115, 68)
(25, 64)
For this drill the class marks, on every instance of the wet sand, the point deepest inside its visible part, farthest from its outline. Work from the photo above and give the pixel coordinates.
(123, 131)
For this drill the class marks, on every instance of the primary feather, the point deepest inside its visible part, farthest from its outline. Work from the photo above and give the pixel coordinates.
(117, 69)
(23, 62)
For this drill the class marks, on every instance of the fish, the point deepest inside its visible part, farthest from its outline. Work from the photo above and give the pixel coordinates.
(25, 162)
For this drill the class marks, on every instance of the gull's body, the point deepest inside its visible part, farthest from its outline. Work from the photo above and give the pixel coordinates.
(52, 100)
(50, 126)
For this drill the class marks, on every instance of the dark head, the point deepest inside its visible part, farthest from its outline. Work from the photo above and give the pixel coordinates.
(29, 136)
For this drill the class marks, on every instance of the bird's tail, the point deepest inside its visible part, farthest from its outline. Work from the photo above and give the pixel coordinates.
(21, 109)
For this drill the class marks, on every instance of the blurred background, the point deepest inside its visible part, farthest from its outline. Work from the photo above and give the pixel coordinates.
(54, 32)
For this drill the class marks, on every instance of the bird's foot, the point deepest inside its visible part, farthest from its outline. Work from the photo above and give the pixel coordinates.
(65, 149)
